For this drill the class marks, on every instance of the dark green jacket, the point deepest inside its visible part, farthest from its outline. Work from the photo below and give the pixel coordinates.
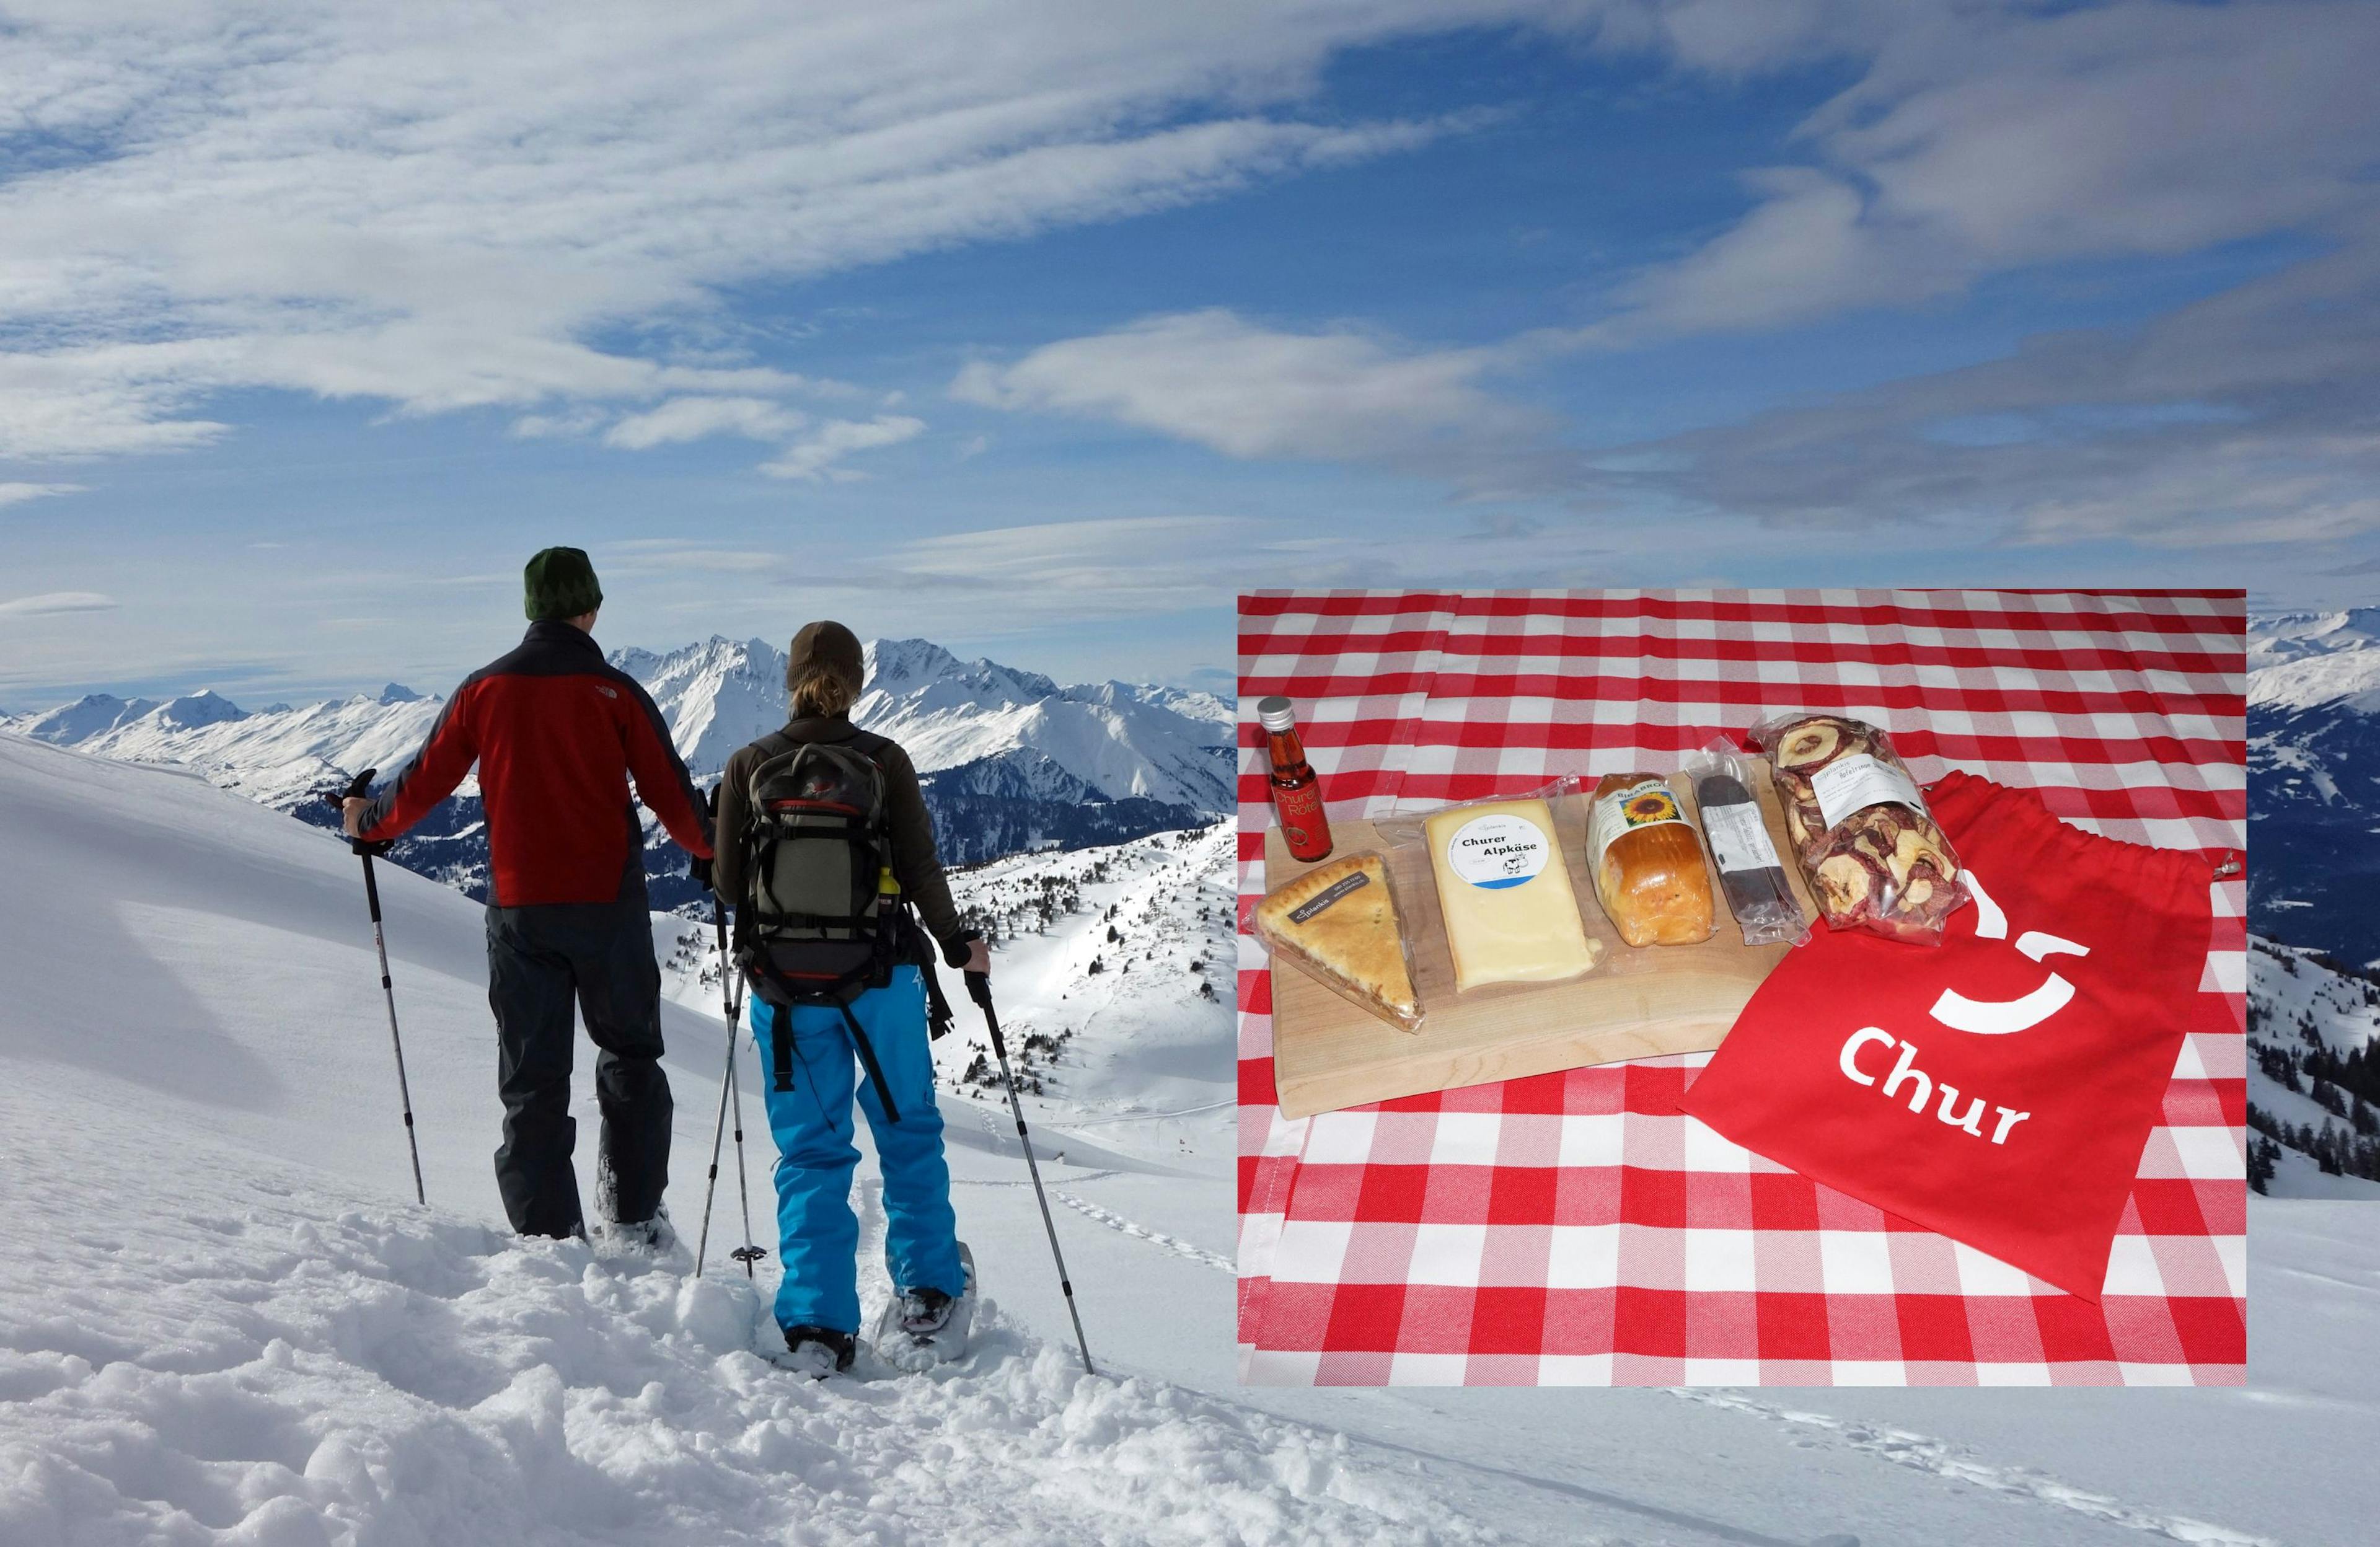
(908, 825)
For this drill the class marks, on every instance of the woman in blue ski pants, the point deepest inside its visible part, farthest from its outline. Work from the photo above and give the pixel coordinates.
(814, 1129)
(819, 1301)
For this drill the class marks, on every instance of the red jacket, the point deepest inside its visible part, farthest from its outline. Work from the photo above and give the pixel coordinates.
(557, 731)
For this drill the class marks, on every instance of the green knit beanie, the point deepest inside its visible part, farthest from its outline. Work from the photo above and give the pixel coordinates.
(559, 582)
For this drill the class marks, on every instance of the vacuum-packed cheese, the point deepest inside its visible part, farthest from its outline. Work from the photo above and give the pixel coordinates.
(1504, 890)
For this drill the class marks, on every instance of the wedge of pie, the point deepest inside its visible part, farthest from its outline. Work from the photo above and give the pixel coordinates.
(1338, 921)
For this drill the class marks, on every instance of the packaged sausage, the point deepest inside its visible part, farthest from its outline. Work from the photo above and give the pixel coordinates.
(1750, 871)
(1872, 855)
(1646, 861)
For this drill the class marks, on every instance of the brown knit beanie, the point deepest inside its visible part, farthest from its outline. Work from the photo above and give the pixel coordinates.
(824, 649)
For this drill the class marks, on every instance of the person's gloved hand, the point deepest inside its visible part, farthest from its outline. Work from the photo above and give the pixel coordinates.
(968, 954)
(351, 815)
(702, 869)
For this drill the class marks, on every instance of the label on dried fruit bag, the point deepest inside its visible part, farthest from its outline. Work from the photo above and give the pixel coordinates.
(1739, 839)
(1853, 784)
(1498, 851)
(1644, 804)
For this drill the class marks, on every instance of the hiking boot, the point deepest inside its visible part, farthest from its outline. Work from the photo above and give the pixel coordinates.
(818, 1352)
(925, 1312)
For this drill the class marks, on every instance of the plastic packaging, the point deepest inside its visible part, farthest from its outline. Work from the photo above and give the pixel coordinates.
(1873, 859)
(1750, 871)
(1340, 924)
(1506, 874)
(1647, 862)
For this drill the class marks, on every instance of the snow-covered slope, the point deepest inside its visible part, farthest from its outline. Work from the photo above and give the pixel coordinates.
(2312, 1028)
(2314, 780)
(1012, 760)
(223, 1320)
(1116, 971)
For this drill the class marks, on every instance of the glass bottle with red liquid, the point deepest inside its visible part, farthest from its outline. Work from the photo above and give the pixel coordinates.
(1296, 788)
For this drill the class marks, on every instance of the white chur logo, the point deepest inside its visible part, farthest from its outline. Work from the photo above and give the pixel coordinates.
(1997, 1017)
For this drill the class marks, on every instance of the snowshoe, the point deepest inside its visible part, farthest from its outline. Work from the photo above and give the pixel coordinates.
(817, 1352)
(922, 1328)
(654, 1237)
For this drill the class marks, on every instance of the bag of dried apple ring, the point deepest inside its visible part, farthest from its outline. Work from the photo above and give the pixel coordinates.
(1873, 856)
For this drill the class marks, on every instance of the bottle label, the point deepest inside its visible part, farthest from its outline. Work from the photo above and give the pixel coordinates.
(1739, 839)
(1498, 851)
(1647, 803)
(1303, 825)
(1851, 785)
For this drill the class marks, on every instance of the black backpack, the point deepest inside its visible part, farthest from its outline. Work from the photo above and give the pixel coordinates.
(821, 921)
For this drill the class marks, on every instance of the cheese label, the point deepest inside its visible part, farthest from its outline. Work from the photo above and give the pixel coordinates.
(1498, 851)
(1851, 785)
(1642, 804)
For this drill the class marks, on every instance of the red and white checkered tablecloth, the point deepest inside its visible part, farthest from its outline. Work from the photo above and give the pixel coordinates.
(1576, 1227)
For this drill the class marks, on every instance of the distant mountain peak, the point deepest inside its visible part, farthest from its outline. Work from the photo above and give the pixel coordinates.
(205, 707)
(395, 692)
(899, 661)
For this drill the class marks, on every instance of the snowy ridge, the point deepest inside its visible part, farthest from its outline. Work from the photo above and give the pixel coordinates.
(2312, 1103)
(1011, 760)
(2313, 777)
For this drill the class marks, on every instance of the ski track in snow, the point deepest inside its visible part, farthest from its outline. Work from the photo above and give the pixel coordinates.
(1180, 1248)
(1944, 1459)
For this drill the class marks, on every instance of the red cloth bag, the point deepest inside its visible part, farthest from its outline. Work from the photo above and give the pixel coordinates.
(1998, 1089)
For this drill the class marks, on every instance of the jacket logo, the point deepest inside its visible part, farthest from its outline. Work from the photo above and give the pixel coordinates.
(1999, 1017)
(607, 692)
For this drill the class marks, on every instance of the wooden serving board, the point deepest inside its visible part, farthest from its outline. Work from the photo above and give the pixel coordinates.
(1636, 1003)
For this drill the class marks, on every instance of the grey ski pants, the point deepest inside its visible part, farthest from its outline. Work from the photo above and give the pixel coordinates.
(540, 960)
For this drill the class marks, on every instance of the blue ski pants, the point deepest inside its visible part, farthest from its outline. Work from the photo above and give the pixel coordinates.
(812, 1126)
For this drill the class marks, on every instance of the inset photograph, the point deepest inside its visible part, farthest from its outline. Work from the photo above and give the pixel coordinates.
(1743, 988)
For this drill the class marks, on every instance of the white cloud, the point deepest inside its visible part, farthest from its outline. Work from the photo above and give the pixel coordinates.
(815, 455)
(2241, 419)
(57, 602)
(1214, 379)
(691, 419)
(437, 206)
(1986, 139)
(17, 493)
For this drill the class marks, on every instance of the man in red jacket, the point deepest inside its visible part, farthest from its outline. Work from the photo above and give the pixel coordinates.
(557, 732)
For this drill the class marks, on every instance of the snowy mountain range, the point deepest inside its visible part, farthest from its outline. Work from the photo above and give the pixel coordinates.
(223, 1317)
(2314, 780)
(1011, 761)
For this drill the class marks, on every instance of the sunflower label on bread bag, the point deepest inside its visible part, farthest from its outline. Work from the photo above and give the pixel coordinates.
(1649, 862)
(1645, 804)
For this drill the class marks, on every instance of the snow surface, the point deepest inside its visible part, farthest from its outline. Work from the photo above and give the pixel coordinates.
(223, 1319)
(2291, 991)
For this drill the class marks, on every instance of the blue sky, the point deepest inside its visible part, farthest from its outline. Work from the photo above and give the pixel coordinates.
(1041, 332)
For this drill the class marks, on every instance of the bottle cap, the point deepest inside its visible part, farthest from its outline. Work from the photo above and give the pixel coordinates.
(1276, 714)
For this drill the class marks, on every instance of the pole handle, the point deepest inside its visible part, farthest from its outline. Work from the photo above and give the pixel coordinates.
(338, 799)
(978, 986)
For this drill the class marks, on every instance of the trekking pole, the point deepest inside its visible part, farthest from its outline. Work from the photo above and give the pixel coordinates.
(380, 942)
(980, 990)
(730, 1093)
